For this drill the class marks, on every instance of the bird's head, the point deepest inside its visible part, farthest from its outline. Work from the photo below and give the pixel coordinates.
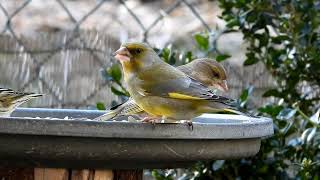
(209, 72)
(135, 56)
(219, 76)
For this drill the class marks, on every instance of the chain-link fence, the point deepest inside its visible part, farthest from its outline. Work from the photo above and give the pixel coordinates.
(51, 47)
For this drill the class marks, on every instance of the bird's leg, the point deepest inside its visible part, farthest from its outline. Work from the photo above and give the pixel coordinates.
(141, 116)
(190, 124)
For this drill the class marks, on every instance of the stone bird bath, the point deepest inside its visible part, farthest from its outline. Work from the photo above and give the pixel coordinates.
(79, 143)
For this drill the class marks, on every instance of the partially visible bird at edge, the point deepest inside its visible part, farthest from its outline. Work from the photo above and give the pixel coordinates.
(10, 100)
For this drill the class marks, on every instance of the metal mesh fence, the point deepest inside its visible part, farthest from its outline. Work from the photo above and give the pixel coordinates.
(76, 23)
(65, 64)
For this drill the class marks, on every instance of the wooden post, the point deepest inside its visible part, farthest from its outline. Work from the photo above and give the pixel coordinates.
(50, 174)
(84, 174)
(16, 173)
(64, 174)
(103, 175)
(128, 174)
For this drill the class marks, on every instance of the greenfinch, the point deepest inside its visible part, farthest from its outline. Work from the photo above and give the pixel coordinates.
(10, 100)
(206, 70)
(163, 91)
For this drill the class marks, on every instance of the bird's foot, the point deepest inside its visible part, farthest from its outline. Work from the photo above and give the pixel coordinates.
(190, 125)
(152, 120)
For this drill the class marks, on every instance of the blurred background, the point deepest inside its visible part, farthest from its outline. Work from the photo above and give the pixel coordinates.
(59, 47)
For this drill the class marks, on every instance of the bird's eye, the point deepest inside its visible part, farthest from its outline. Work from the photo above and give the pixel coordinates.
(138, 51)
(216, 75)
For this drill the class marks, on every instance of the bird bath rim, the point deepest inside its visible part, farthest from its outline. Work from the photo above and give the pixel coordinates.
(207, 126)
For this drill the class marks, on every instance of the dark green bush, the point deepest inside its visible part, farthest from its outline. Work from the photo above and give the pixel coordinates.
(285, 36)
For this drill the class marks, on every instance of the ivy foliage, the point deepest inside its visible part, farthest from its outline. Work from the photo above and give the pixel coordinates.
(285, 36)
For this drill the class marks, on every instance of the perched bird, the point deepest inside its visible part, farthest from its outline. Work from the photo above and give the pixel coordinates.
(206, 70)
(163, 91)
(10, 100)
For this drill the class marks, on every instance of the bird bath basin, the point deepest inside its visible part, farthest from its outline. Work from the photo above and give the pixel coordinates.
(79, 143)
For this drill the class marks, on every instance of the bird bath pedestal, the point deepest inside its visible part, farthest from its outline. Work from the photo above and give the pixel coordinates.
(83, 144)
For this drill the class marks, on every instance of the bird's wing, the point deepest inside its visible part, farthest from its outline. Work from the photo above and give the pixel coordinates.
(173, 84)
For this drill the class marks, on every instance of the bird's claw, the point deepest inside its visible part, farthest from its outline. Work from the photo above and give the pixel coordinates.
(152, 120)
(190, 125)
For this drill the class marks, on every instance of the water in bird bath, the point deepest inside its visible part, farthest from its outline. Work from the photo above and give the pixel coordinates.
(223, 119)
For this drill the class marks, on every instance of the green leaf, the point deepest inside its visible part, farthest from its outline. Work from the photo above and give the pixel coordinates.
(311, 134)
(105, 75)
(172, 59)
(115, 72)
(271, 110)
(272, 92)
(222, 57)
(185, 57)
(286, 113)
(202, 41)
(188, 57)
(160, 174)
(165, 54)
(245, 94)
(118, 92)
(287, 128)
(157, 50)
(280, 39)
(263, 39)
(308, 134)
(168, 55)
(217, 165)
(294, 142)
(263, 169)
(315, 118)
(100, 106)
(250, 61)
(233, 23)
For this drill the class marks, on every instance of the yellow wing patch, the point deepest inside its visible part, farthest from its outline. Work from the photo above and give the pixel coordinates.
(183, 96)
(233, 111)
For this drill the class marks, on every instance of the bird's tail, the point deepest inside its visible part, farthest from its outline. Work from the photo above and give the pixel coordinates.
(32, 95)
(227, 105)
(113, 112)
(239, 112)
(107, 116)
(127, 108)
(35, 95)
(5, 91)
(20, 97)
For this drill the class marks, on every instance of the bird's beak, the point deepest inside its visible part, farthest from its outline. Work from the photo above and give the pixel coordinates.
(122, 54)
(223, 85)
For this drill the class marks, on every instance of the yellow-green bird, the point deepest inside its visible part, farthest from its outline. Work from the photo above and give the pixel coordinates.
(206, 70)
(163, 91)
(10, 100)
